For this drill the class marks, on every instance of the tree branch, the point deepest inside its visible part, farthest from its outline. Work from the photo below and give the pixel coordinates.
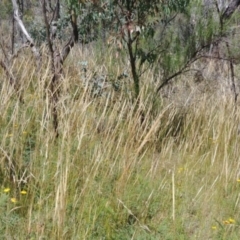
(25, 32)
(8, 72)
(74, 38)
(226, 15)
(193, 59)
(230, 9)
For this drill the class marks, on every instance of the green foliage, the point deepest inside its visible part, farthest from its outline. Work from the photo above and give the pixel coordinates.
(176, 6)
(5, 9)
(111, 173)
(9, 219)
(165, 35)
(152, 170)
(38, 33)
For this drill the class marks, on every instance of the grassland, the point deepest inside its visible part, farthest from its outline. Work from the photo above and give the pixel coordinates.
(159, 169)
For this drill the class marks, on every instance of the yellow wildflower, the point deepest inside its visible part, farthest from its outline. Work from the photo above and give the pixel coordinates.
(214, 227)
(238, 180)
(13, 200)
(231, 220)
(226, 222)
(6, 190)
(23, 192)
(180, 169)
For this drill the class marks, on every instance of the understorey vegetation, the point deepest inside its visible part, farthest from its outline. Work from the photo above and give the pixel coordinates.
(119, 119)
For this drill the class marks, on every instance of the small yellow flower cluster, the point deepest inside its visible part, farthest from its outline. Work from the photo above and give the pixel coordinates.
(14, 200)
(229, 221)
(11, 134)
(181, 169)
(6, 190)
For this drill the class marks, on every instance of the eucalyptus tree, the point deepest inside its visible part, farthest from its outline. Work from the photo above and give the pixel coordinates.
(143, 27)
(165, 35)
(168, 36)
(57, 52)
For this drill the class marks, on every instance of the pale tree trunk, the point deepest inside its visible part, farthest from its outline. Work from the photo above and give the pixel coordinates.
(231, 8)
(26, 34)
(6, 63)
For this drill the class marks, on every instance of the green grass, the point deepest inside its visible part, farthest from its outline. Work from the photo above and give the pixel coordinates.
(156, 170)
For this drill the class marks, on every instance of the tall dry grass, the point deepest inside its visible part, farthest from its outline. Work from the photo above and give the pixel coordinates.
(158, 169)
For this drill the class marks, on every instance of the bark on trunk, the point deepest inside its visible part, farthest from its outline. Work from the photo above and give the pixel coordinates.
(230, 9)
(26, 34)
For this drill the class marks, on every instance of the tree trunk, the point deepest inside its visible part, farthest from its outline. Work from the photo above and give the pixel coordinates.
(26, 34)
(230, 9)
(133, 69)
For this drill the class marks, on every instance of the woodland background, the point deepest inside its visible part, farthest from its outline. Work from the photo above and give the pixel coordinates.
(119, 119)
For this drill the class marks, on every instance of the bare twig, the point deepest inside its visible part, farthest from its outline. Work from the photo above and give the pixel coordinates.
(13, 34)
(226, 15)
(232, 74)
(74, 38)
(50, 44)
(26, 34)
(8, 72)
(183, 69)
(230, 9)
(15, 55)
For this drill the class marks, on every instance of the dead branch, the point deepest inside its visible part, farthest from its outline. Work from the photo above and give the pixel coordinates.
(226, 15)
(195, 56)
(233, 88)
(49, 40)
(2, 45)
(230, 9)
(8, 72)
(26, 34)
(74, 38)
(15, 55)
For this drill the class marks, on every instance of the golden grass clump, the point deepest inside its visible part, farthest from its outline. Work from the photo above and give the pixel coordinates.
(118, 170)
